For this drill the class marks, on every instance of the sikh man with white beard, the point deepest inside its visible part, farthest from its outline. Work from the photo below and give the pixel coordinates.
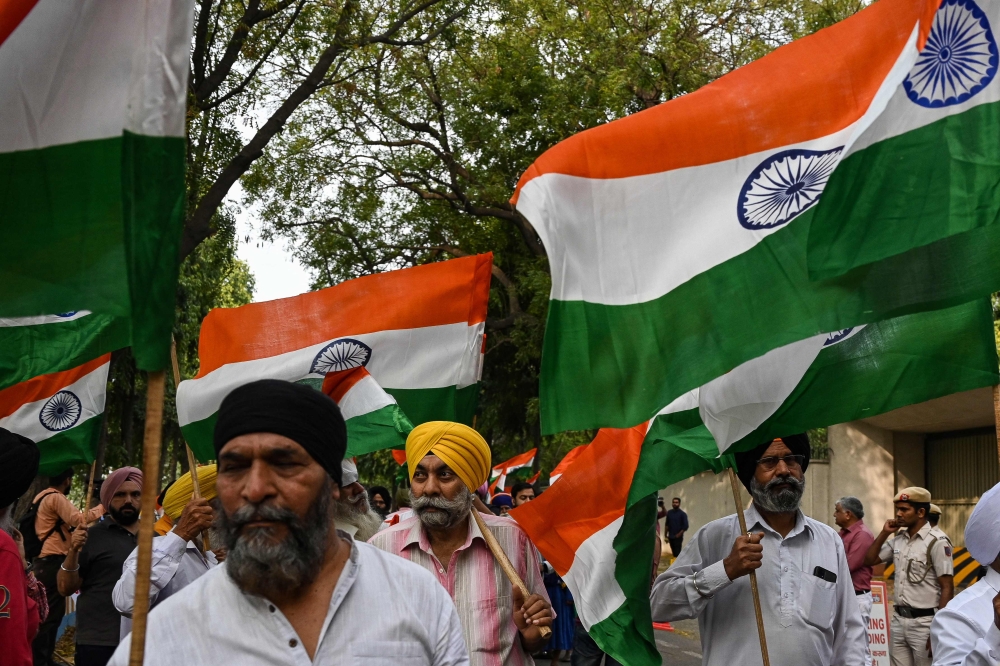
(447, 462)
(353, 512)
(811, 617)
(293, 589)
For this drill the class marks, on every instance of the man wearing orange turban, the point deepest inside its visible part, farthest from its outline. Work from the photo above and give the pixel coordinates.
(447, 462)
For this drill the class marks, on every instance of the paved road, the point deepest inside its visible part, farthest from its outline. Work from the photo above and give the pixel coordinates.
(682, 646)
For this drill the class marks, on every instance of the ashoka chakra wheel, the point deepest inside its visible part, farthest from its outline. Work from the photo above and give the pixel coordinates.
(343, 354)
(959, 59)
(837, 336)
(61, 411)
(783, 186)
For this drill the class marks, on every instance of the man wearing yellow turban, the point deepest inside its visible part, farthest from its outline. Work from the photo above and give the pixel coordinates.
(177, 557)
(447, 462)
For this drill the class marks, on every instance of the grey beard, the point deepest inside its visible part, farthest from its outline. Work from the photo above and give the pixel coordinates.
(783, 501)
(269, 569)
(7, 523)
(449, 512)
(359, 514)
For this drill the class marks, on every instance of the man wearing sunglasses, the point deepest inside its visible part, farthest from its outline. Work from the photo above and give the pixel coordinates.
(807, 598)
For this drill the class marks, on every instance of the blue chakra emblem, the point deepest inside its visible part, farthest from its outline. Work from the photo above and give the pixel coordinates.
(64, 315)
(343, 354)
(61, 411)
(783, 186)
(837, 336)
(959, 59)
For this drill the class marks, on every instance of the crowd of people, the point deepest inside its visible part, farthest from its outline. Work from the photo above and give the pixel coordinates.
(280, 555)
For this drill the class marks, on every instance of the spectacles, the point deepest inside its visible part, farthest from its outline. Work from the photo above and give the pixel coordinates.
(792, 462)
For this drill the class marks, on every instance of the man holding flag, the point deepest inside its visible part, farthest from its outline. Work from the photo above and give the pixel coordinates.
(447, 461)
(805, 583)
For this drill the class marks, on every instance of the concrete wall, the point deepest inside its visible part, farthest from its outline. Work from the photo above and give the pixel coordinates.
(908, 454)
(861, 464)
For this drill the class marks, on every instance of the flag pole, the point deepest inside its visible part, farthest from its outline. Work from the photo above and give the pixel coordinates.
(192, 462)
(152, 441)
(89, 502)
(504, 562)
(996, 415)
(735, 482)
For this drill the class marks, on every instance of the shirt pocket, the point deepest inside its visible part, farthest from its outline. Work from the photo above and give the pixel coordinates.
(489, 619)
(817, 601)
(387, 653)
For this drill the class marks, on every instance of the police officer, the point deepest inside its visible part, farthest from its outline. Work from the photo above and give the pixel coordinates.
(922, 556)
(934, 515)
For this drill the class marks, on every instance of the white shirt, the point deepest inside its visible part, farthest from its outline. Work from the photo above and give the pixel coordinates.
(383, 611)
(176, 564)
(808, 621)
(964, 633)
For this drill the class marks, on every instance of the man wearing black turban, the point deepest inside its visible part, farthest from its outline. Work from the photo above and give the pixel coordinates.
(806, 595)
(280, 448)
(21, 613)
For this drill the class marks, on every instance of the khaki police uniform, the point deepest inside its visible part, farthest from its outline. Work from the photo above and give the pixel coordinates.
(920, 560)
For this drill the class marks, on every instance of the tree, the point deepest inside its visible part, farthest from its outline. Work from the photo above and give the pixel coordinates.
(414, 158)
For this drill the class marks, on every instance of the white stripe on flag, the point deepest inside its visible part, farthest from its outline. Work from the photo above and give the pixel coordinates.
(365, 397)
(591, 577)
(42, 319)
(89, 69)
(67, 408)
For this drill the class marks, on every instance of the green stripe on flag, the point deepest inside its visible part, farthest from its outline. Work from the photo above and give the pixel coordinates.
(198, 435)
(97, 228)
(72, 447)
(437, 404)
(41, 349)
(385, 428)
(909, 191)
(634, 359)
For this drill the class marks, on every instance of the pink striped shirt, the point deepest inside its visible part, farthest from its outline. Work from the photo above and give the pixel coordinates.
(476, 583)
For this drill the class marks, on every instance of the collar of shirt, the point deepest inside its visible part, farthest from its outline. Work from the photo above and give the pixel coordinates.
(992, 579)
(856, 527)
(417, 536)
(921, 533)
(344, 584)
(754, 519)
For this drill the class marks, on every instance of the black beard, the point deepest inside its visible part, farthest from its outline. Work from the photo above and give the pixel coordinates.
(782, 501)
(269, 569)
(125, 516)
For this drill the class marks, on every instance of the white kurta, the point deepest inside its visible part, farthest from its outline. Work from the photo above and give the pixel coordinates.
(964, 633)
(383, 611)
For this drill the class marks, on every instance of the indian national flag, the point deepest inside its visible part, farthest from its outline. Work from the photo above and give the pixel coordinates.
(677, 237)
(418, 331)
(602, 543)
(499, 472)
(92, 160)
(374, 419)
(924, 177)
(567, 460)
(61, 412)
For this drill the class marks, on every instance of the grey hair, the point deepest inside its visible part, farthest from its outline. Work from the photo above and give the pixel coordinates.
(852, 504)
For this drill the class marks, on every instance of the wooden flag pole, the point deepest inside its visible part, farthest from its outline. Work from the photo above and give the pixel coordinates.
(735, 482)
(151, 443)
(89, 502)
(192, 461)
(504, 562)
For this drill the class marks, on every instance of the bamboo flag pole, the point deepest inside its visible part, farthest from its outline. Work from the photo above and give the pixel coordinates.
(89, 501)
(735, 482)
(151, 443)
(504, 562)
(192, 462)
